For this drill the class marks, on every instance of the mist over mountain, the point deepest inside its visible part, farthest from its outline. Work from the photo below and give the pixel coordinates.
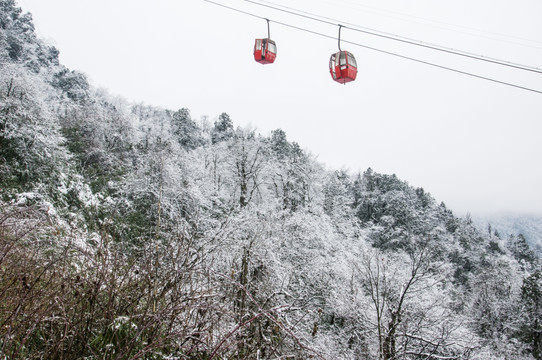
(530, 226)
(129, 231)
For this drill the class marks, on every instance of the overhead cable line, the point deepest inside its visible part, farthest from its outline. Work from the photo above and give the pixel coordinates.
(427, 22)
(376, 49)
(402, 39)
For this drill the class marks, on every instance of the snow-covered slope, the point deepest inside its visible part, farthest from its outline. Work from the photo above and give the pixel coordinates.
(131, 231)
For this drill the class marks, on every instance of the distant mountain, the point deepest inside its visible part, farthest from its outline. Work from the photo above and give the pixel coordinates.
(530, 226)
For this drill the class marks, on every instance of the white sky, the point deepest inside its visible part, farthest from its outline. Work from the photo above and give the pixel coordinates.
(471, 143)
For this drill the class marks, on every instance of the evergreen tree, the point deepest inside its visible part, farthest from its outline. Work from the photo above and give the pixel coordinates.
(279, 144)
(73, 84)
(531, 297)
(223, 129)
(521, 250)
(186, 130)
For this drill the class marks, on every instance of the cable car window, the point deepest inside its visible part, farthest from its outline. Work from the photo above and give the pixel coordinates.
(352, 60)
(342, 58)
(332, 66)
(258, 44)
(271, 47)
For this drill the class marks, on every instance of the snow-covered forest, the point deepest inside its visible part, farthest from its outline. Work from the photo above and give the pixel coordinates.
(129, 231)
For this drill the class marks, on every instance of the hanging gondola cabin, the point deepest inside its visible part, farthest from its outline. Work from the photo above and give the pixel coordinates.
(343, 67)
(265, 51)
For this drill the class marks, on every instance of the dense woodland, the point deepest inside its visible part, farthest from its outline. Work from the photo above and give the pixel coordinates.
(129, 231)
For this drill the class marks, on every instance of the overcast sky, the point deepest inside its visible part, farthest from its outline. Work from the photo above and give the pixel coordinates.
(473, 144)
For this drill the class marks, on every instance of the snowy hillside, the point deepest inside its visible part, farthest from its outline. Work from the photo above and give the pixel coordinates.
(134, 232)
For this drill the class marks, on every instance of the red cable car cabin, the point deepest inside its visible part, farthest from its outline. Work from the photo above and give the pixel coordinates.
(343, 67)
(265, 51)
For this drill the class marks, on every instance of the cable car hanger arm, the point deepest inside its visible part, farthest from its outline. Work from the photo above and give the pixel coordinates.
(340, 26)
